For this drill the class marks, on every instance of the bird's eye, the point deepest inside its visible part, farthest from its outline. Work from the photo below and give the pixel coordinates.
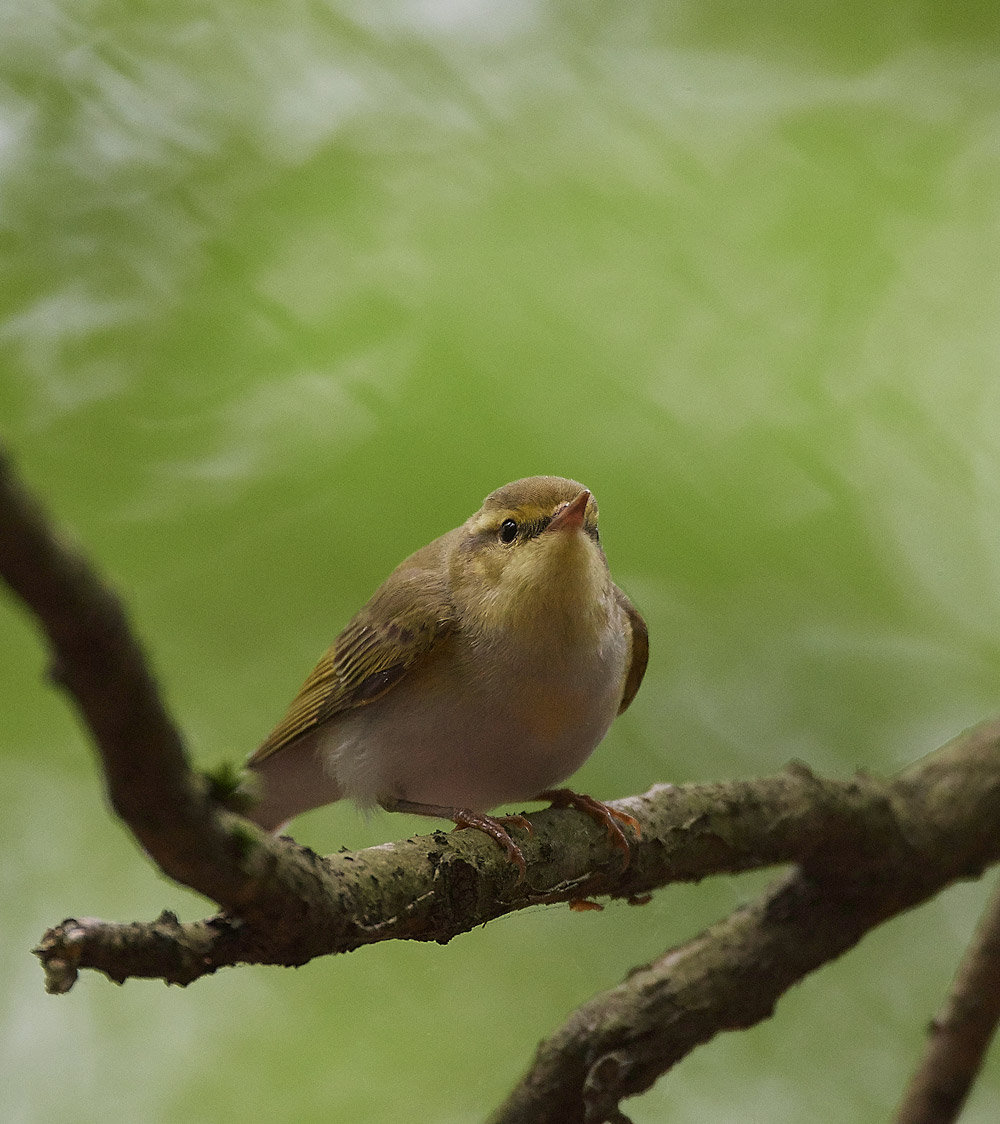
(508, 531)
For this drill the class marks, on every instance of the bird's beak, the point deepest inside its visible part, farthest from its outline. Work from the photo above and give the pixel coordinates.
(570, 516)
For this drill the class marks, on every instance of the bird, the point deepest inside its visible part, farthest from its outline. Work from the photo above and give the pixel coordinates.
(482, 672)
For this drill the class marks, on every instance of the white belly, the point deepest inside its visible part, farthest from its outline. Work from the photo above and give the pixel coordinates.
(434, 739)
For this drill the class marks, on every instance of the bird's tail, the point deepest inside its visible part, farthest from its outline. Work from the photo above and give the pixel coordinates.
(293, 780)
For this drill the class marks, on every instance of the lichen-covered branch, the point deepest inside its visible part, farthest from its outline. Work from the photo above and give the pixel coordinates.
(961, 1032)
(434, 887)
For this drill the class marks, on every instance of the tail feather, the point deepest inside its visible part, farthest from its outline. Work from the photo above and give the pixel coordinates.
(293, 780)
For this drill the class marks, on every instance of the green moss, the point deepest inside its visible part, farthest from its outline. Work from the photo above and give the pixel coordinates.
(231, 786)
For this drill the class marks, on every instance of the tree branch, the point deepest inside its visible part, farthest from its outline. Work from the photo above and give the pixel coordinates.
(434, 887)
(961, 1032)
(846, 834)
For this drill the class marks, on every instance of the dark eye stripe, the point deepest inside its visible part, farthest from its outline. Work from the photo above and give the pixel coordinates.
(528, 530)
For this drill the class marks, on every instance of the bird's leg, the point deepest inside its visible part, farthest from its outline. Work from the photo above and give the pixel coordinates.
(493, 826)
(599, 811)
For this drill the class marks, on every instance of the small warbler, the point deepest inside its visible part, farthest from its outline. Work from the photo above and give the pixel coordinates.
(484, 670)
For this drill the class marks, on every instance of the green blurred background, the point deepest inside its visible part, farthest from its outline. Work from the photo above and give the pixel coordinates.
(288, 287)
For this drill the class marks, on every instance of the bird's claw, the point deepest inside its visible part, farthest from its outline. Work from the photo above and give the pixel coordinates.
(493, 826)
(602, 813)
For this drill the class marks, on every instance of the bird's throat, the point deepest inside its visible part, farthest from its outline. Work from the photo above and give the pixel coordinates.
(558, 597)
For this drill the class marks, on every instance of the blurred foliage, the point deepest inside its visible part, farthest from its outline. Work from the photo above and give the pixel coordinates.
(286, 288)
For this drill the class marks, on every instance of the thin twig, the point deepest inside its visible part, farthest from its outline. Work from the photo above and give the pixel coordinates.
(961, 1032)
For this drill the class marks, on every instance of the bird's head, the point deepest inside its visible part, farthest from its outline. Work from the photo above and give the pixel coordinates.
(531, 554)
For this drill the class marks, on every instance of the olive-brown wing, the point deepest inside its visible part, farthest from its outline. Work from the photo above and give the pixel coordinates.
(406, 619)
(638, 650)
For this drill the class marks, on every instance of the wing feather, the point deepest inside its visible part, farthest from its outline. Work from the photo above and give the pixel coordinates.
(638, 651)
(407, 617)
